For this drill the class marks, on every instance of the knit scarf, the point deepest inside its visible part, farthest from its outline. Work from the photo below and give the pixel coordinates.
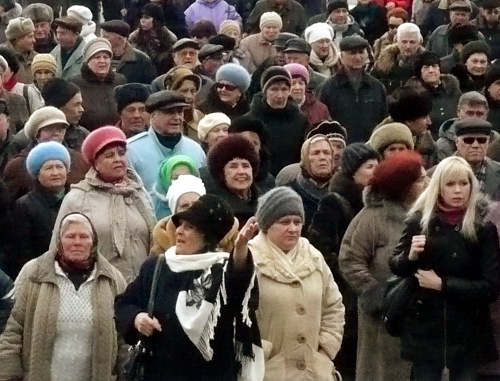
(324, 66)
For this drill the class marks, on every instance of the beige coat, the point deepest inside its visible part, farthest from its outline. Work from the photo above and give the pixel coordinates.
(300, 315)
(256, 49)
(123, 218)
(27, 343)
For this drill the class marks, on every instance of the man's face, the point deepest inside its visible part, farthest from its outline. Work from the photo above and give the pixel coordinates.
(270, 32)
(277, 94)
(25, 43)
(459, 17)
(472, 147)
(66, 38)
(116, 41)
(42, 30)
(296, 57)
(169, 121)
(338, 151)
(472, 111)
(339, 15)
(477, 64)
(134, 118)
(187, 57)
(212, 64)
(279, 57)
(354, 59)
(430, 74)
(322, 47)
(408, 44)
(491, 15)
(420, 125)
(73, 109)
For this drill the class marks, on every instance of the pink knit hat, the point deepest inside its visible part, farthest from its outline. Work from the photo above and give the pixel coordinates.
(296, 69)
(98, 139)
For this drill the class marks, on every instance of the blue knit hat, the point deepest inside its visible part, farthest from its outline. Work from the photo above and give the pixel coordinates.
(235, 74)
(44, 152)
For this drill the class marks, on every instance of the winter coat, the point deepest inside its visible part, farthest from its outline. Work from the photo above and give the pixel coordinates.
(18, 112)
(380, 44)
(31, 95)
(358, 111)
(98, 97)
(372, 19)
(4, 152)
(212, 103)
(450, 61)
(136, 66)
(26, 345)
(286, 129)
(123, 218)
(390, 70)
(255, 49)
(216, 12)
(292, 15)
(24, 75)
(11, 14)
(73, 65)
(491, 35)
(438, 41)
(6, 299)
(300, 312)
(452, 325)
(145, 153)
(444, 99)
(468, 82)
(316, 111)
(366, 248)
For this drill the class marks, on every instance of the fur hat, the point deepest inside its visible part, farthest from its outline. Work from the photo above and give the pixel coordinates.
(231, 147)
(81, 13)
(389, 134)
(43, 117)
(318, 31)
(475, 47)
(57, 92)
(98, 139)
(210, 121)
(11, 57)
(270, 19)
(131, 93)
(277, 203)
(44, 62)
(406, 104)
(168, 165)
(425, 58)
(211, 215)
(235, 74)
(69, 23)
(228, 25)
(462, 34)
(184, 184)
(273, 74)
(39, 12)
(95, 46)
(336, 4)
(249, 123)
(44, 152)
(19, 27)
(297, 70)
(355, 155)
(155, 11)
(7, 5)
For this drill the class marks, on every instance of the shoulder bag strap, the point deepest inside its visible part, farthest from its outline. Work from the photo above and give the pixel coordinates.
(156, 275)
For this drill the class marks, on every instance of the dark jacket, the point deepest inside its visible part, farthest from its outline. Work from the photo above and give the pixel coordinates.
(292, 15)
(136, 66)
(6, 298)
(372, 19)
(4, 152)
(450, 61)
(468, 82)
(212, 103)
(98, 98)
(358, 111)
(455, 321)
(437, 16)
(491, 35)
(18, 110)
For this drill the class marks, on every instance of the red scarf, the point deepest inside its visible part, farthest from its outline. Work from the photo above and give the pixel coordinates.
(9, 85)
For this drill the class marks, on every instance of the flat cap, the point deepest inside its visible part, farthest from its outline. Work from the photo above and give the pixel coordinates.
(221, 39)
(298, 45)
(460, 6)
(69, 23)
(116, 26)
(282, 38)
(473, 126)
(353, 42)
(164, 100)
(185, 43)
(209, 51)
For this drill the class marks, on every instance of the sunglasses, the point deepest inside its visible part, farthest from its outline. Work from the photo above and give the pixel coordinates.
(228, 86)
(471, 140)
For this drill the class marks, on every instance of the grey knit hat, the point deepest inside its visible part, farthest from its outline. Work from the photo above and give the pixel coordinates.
(355, 155)
(277, 203)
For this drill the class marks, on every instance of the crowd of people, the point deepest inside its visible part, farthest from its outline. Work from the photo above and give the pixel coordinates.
(258, 170)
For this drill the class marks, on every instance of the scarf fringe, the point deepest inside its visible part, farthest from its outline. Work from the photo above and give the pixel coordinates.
(245, 310)
(208, 332)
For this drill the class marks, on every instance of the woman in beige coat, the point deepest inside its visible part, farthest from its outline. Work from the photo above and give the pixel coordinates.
(300, 314)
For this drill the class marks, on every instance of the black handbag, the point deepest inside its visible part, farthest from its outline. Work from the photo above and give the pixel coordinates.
(399, 294)
(133, 366)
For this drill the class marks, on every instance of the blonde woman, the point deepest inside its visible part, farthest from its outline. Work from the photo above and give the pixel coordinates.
(454, 256)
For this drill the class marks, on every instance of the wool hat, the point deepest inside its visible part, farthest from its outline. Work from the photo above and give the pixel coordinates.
(298, 45)
(353, 42)
(336, 4)
(211, 215)
(490, 4)
(355, 155)
(39, 12)
(19, 27)
(3, 64)
(185, 43)
(57, 92)
(210, 51)
(168, 165)
(473, 126)
(226, 42)
(270, 19)
(235, 74)
(178, 74)
(165, 100)
(331, 129)
(210, 121)
(116, 26)
(297, 70)
(184, 184)
(43, 117)
(318, 31)
(492, 75)
(228, 25)
(475, 47)
(98, 139)
(461, 5)
(277, 203)
(233, 146)
(44, 62)
(462, 34)
(282, 38)
(155, 11)
(44, 152)
(407, 104)
(391, 133)
(425, 58)
(249, 123)
(95, 46)
(69, 23)
(273, 74)
(81, 13)
(131, 93)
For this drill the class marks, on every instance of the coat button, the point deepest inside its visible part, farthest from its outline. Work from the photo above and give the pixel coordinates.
(454, 255)
(437, 228)
(295, 284)
(301, 338)
(457, 228)
(301, 365)
(301, 310)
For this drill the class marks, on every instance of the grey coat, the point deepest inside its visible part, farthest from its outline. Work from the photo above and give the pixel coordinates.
(74, 64)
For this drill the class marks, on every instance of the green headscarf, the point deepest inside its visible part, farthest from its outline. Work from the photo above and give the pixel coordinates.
(167, 166)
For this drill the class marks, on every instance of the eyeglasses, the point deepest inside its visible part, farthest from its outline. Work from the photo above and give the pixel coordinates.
(470, 140)
(228, 86)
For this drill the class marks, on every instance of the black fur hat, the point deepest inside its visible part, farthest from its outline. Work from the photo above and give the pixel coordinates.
(130, 93)
(57, 92)
(406, 104)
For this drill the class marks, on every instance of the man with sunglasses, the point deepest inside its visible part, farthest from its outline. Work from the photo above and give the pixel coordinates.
(488, 23)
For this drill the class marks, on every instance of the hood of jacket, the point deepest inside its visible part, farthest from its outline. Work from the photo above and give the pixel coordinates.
(388, 59)
(447, 129)
(449, 85)
(88, 29)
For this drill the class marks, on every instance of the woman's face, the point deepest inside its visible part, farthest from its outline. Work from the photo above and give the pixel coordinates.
(228, 93)
(364, 173)
(298, 89)
(53, 174)
(254, 139)
(188, 89)
(146, 22)
(216, 134)
(285, 232)
(180, 169)
(238, 175)
(42, 76)
(455, 193)
(188, 240)
(477, 64)
(100, 63)
(186, 200)
(111, 163)
(51, 133)
(76, 242)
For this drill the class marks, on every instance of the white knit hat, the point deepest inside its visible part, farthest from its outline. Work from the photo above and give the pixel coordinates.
(209, 121)
(184, 184)
(318, 31)
(43, 117)
(269, 19)
(228, 25)
(81, 13)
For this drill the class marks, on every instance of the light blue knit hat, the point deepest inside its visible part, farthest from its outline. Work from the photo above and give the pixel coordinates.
(44, 152)
(235, 74)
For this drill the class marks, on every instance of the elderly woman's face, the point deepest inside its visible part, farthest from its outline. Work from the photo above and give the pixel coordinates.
(76, 242)
(228, 92)
(185, 201)
(53, 174)
(111, 163)
(188, 89)
(188, 240)
(100, 63)
(216, 134)
(42, 76)
(285, 232)
(238, 175)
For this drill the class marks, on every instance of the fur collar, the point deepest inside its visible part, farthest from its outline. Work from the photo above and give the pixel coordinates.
(449, 85)
(388, 59)
(89, 76)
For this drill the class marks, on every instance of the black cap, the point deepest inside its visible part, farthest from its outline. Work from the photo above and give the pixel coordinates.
(274, 74)
(210, 51)
(282, 38)
(116, 26)
(336, 4)
(473, 126)
(221, 39)
(298, 45)
(425, 58)
(185, 43)
(331, 129)
(353, 43)
(165, 100)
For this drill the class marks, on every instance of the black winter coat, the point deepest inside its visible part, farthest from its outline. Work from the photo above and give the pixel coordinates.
(372, 19)
(212, 103)
(456, 320)
(136, 66)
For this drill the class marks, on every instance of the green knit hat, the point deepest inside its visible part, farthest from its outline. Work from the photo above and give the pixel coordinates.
(168, 165)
